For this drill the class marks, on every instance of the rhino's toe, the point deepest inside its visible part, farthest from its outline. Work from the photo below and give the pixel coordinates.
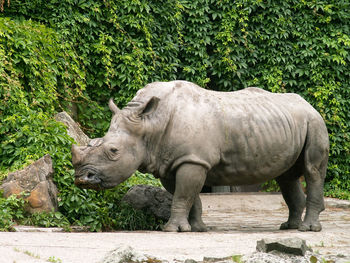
(197, 224)
(315, 227)
(289, 225)
(198, 227)
(177, 227)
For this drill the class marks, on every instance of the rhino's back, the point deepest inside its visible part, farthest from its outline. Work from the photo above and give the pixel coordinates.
(248, 135)
(251, 133)
(267, 133)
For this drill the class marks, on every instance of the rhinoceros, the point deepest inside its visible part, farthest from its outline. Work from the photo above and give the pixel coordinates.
(189, 137)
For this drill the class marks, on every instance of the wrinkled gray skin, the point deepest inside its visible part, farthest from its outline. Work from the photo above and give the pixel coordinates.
(189, 137)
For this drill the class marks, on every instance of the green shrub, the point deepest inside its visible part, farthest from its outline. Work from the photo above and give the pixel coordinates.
(104, 210)
(35, 73)
(338, 193)
(123, 215)
(45, 219)
(11, 209)
(40, 74)
(122, 46)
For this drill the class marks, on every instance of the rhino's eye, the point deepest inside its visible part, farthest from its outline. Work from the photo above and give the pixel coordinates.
(112, 153)
(113, 150)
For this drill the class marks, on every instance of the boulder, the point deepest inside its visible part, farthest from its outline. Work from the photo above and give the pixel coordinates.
(73, 128)
(35, 179)
(156, 200)
(294, 246)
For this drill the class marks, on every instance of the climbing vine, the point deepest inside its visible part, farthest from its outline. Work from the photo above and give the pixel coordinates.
(62, 54)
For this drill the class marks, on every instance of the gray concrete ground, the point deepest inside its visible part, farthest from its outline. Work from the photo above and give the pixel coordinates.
(236, 223)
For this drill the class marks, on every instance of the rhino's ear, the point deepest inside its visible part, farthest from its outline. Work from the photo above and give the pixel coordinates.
(114, 109)
(148, 107)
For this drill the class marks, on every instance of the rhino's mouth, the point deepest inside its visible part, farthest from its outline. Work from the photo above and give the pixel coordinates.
(89, 178)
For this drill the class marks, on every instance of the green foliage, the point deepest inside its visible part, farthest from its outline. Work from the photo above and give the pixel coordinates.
(338, 193)
(11, 209)
(57, 54)
(237, 258)
(124, 216)
(35, 72)
(270, 186)
(54, 259)
(40, 74)
(45, 219)
(104, 210)
(282, 46)
(123, 45)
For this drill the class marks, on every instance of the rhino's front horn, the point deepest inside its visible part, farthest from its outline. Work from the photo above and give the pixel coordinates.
(76, 155)
(114, 109)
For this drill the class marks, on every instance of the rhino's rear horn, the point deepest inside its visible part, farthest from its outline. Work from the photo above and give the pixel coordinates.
(95, 142)
(76, 155)
(114, 109)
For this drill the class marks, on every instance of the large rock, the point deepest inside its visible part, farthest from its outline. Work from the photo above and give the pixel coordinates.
(153, 199)
(73, 129)
(36, 179)
(294, 246)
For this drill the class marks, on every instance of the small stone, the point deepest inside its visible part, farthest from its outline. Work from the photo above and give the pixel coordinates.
(127, 254)
(121, 255)
(190, 261)
(294, 246)
(217, 260)
(336, 203)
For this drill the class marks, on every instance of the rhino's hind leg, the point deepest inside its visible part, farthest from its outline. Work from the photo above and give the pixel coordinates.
(314, 202)
(315, 167)
(294, 197)
(188, 183)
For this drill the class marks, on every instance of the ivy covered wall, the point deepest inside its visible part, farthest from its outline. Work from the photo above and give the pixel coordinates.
(55, 53)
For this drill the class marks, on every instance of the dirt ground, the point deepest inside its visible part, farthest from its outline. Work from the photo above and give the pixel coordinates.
(236, 222)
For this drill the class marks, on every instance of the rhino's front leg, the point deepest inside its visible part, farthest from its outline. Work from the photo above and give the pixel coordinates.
(195, 217)
(190, 179)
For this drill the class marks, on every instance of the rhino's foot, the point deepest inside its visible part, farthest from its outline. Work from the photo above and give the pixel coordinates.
(290, 225)
(176, 226)
(197, 226)
(316, 227)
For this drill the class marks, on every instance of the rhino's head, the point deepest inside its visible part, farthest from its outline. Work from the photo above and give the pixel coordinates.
(108, 161)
